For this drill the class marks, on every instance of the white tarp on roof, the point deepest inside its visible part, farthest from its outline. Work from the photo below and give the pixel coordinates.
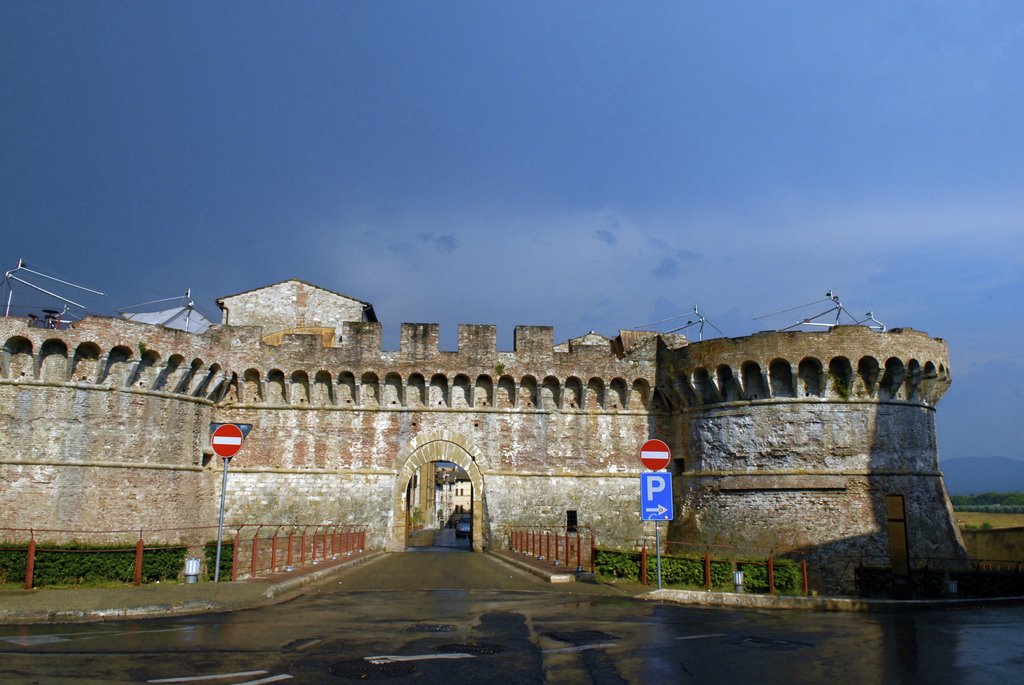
(179, 318)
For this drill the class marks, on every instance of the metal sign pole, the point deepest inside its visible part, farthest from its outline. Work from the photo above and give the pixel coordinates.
(220, 521)
(657, 542)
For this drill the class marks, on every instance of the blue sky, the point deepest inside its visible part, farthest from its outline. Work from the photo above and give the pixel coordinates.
(586, 165)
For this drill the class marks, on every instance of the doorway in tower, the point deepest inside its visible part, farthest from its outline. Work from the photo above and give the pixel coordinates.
(439, 507)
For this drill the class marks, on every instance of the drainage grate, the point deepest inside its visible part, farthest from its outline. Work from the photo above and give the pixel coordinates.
(581, 637)
(471, 647)
(430, 628)
(360, 669)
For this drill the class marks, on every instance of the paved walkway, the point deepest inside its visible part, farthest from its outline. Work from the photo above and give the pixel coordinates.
(73, 605)
(98, 604)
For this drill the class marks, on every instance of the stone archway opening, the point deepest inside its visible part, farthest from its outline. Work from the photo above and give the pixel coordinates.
(438, 482)
(439, 506)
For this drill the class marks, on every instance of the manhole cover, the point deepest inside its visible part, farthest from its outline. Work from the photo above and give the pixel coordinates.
(471, 647)
(768, 643)
(581, 637)
(360, 669)
(430, 628)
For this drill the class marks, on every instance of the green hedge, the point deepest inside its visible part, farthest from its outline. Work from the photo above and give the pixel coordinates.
(13, 563)
(76, 563)
(227, 553)
(787, 576)
(689, 571)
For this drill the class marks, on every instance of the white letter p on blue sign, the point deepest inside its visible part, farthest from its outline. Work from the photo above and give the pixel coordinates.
(656, 496)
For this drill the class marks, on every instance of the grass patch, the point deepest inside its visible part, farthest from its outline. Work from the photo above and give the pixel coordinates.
(977, 520)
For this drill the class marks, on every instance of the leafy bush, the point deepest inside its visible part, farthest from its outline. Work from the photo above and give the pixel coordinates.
(689, 571)
(13, 564)
(991, 508)
(76, 563)
(786, 572)
(1010, 499)
(227, 553)
(613, 564)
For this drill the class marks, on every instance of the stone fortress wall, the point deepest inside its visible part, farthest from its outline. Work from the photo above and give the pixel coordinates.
(785, 439)
(811, 432)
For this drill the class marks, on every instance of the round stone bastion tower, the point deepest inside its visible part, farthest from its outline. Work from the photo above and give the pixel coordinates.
(816, 442)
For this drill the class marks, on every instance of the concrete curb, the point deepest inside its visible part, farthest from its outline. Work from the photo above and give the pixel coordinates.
(511, 560)
(751, 601)
(117, 604)
(291, 585)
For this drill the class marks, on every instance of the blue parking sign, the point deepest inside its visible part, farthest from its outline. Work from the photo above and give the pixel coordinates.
(656, 496)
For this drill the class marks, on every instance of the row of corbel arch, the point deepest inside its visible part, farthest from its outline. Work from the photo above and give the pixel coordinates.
(894, 380)
(416, 390)
(121, 368)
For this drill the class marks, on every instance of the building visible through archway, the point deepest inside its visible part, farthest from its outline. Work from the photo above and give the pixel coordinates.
(438, 494)
(437, 480)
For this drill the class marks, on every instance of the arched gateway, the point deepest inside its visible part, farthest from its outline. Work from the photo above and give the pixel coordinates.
(423, 449)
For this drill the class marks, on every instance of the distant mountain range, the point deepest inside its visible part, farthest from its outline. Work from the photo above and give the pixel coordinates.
(975, 475)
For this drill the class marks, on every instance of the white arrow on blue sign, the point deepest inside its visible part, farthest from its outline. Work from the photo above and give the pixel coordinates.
(656, 496)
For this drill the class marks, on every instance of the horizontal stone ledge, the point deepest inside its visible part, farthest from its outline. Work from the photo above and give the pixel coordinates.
(102, 465)
(99, 387)
(784, 483)
(561, 474)
(740, 404)
(313, 472)
(231, 406)
(701, 475)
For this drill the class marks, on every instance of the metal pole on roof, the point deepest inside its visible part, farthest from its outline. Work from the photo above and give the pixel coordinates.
(10, 293)
(22, 266)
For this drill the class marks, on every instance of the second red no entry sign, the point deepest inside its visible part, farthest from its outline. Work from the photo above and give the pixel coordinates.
(655, 455)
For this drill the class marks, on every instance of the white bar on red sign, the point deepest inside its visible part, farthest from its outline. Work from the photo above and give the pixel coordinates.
(227, 440)
(648, 454)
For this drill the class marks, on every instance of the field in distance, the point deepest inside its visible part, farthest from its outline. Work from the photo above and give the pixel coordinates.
(978, 518)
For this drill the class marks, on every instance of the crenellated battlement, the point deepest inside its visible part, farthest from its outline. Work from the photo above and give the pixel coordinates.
(237, 365)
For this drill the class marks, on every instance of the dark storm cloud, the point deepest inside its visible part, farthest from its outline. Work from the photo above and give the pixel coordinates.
(668, 268)
(442, 243)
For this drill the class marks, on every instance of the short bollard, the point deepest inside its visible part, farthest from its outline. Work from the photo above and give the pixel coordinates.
(737, 580)
(192, 570)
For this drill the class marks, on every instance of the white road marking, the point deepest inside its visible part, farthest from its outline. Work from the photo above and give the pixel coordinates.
(30, 640)
(216, 676)
(307, 645)
(271, 679)
(579, 648)
(394, 658)
(700, 637)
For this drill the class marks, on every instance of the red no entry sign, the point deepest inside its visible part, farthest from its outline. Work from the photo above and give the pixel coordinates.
(226, 440)
(655, 455)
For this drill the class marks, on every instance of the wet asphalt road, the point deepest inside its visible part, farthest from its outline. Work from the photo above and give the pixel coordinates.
(444, 616)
